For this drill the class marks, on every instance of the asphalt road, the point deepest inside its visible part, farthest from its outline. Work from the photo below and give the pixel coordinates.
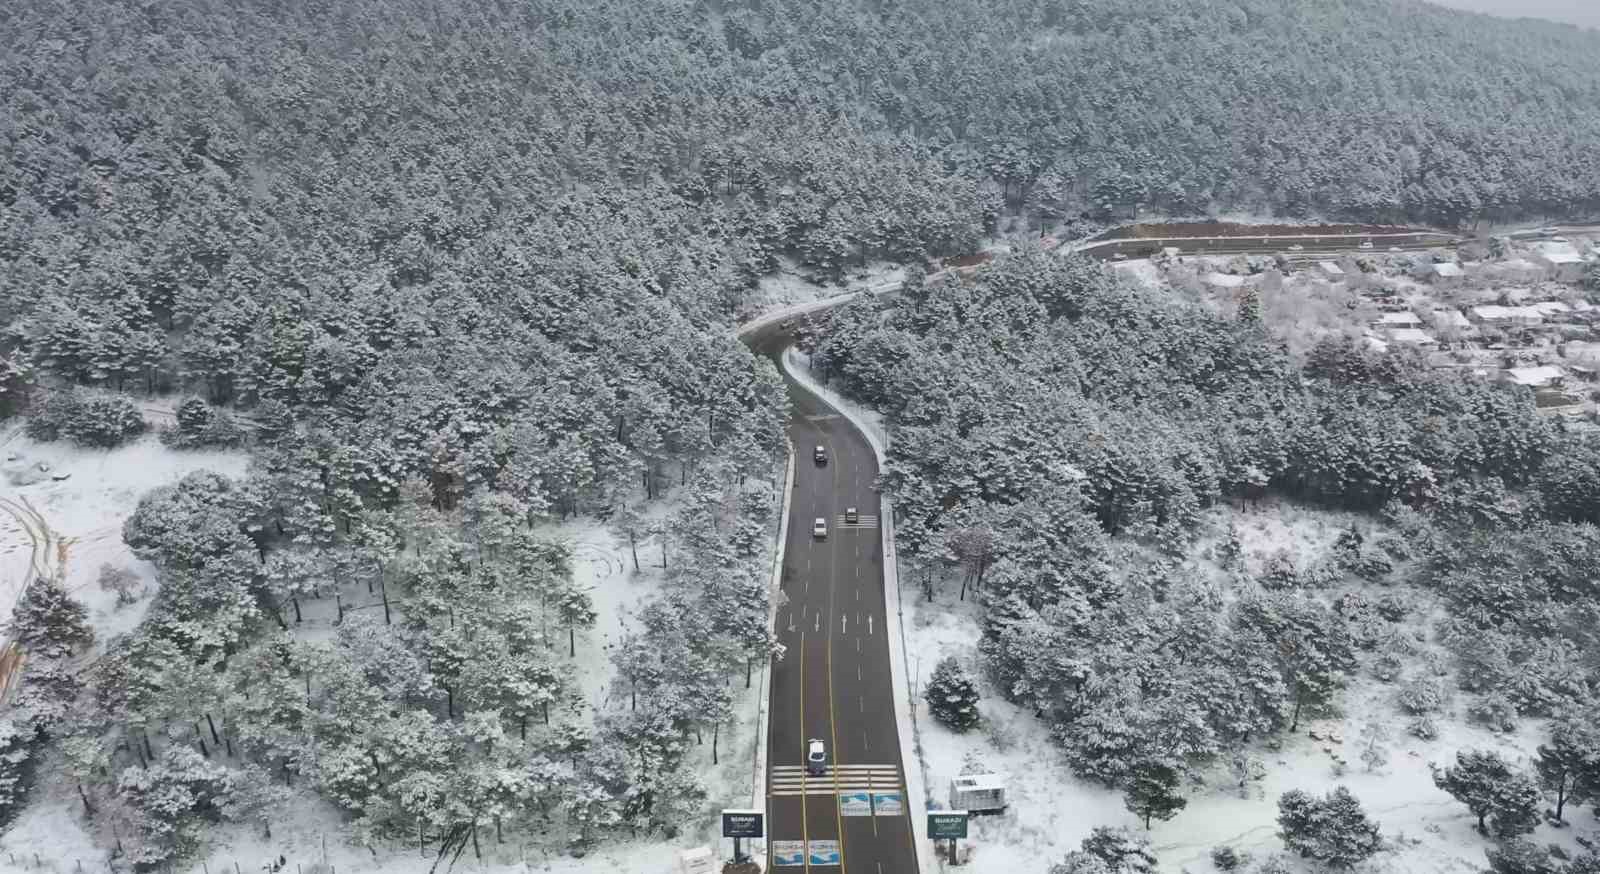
(833, 683)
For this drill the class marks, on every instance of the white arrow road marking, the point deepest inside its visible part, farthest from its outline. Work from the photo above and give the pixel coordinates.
(818, 626)
(869, 623)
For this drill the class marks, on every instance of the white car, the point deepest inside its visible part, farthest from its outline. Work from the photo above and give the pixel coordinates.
(819, 528)
(1366, 244)
(1297, 248)
(816, 757)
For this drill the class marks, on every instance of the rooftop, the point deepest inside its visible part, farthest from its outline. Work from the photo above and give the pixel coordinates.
(1412, 336)
(1535, 376)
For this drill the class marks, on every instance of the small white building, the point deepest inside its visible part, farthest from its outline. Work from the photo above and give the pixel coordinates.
(1330, 271)
(1553, 309)
(1412, 337)
(978, 793)
(1406, 319)
(1445, 274)
(1544, 376)
(1495, 316)
(1562, 259)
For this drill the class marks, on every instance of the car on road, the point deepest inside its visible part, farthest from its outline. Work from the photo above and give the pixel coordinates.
(816, 757)
(820, 455)
(1366, 244)
(1297, 248)
(851, 516)
(819, 528)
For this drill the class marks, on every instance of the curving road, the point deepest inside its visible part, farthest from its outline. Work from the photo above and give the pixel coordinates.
(834, 683)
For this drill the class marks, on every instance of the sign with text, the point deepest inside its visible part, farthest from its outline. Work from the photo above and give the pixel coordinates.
(824, 852)
(855, 804)
(743, 823)
(888, 804)
(788, 853)
(947, 825)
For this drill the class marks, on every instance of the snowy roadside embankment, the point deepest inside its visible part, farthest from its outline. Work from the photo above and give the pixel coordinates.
(788, 293)
(870, 424)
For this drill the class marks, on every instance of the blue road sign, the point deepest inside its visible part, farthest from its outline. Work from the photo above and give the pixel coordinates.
(788, 853)
(888, 804)
(855, 804)
(824, 852)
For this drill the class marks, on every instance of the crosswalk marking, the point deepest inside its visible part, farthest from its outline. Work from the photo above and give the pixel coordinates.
(864, 521)
(793, 780)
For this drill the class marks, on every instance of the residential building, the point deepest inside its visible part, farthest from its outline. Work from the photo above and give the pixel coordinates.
(1562, 259)
(1543, 376)
(1446, 274)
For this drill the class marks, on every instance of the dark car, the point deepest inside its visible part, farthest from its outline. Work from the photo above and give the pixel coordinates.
(851, 517)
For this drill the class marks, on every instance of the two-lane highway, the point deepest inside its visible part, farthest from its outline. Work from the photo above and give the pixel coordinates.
(833, 683)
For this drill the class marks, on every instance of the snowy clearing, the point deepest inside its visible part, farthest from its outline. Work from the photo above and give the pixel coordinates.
(96, 491)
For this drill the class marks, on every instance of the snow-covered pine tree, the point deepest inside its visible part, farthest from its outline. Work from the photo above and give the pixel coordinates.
(952, 696)
(48, 622)
(1333, 830)
(1152, 792)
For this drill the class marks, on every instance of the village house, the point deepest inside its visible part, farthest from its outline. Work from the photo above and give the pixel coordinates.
(1543, 376)
(1405, 319)
(1330, 271)
(1445, 274)
(1562, 260)
(1517, 270)
(1412, 337)
(1495, 316)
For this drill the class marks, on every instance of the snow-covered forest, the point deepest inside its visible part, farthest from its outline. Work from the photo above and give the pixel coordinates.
(454, 273)
(1062, 441)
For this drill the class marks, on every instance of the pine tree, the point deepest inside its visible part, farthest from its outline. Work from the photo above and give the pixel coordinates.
(1333, 830)
(1571, 759)
(1152, 793)
(49, 622)
(1123, 851)
(1522, 856)
(1506, 799)
(952, 696)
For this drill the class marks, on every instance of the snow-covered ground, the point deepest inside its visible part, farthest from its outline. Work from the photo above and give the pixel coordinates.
(792, 286)
(1052, 811)
(86, 510)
